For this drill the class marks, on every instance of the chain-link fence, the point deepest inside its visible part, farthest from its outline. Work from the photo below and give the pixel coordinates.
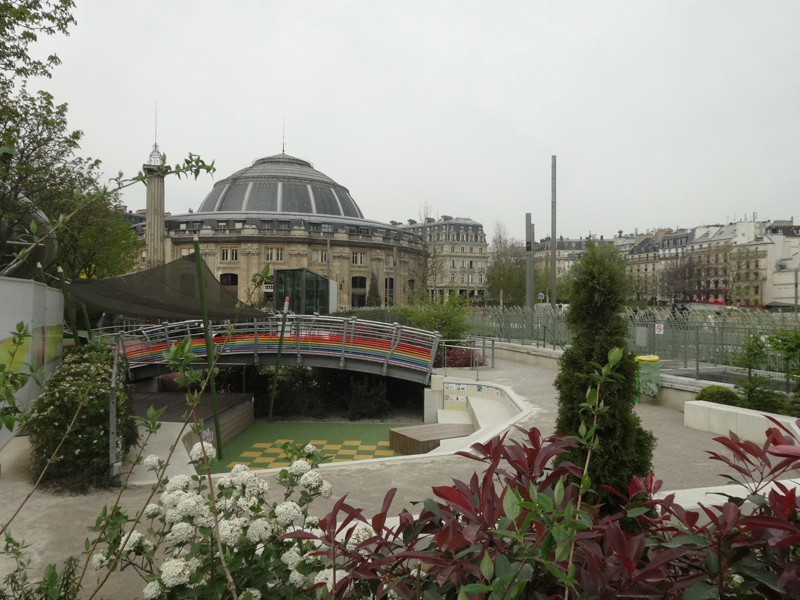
(694, 343)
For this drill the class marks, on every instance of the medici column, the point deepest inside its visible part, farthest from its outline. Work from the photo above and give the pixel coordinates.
(154, 231)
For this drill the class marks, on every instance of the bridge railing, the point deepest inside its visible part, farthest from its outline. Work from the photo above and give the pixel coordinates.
(305, 335)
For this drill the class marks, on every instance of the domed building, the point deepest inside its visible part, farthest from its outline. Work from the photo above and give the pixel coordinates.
(282, 211)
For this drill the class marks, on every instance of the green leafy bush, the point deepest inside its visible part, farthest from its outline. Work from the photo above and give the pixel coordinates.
(367, 398)
(719, 394)
(600, 288)
(82, 460)
(445, 314)
(759, 393)
(298, 393)
(787, 343)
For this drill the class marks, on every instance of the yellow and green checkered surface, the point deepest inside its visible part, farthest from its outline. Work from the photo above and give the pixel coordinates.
(269, 455)
(259, 447)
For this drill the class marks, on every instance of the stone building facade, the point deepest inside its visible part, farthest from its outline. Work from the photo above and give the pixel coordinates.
(282, 212)
(457, 252)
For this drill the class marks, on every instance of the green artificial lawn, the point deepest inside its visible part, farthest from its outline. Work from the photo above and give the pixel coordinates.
(258, 446)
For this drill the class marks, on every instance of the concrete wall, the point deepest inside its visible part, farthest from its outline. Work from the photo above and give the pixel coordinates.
(720, 419)
(529, 355)
(677, 391)
(42, 310)
(232, 422)
(674, 392)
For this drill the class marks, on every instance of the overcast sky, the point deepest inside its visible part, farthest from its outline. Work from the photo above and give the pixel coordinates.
(661, 114)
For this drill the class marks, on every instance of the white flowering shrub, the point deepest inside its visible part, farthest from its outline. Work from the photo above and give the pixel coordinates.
(182, 534)
(82, 460)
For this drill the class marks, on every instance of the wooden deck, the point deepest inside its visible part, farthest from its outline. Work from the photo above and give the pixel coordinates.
(176, 407)
(419, 439)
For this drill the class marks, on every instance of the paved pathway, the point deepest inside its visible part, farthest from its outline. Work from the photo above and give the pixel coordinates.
(55, 526)
(680, 460)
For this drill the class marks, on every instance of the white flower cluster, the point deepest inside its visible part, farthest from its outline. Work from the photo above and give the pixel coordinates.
(230, 530)
(325, 576)
(362, 533)
(254, 594)
(310, 449)
(151, 511)
(299, 467)
(99, 560)
(297, 578)
(179, 534)
(260, 530)
(243, 481)
(136, 542)
(311, 480)
(151, 591)
(179, 482)
(175, 571)
(196, 453)
(181, 504)
(151, 461)
(286, 512)
(326, 489)
(291, 558)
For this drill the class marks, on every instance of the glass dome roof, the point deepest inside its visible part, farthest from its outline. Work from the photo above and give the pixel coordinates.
(281, 184)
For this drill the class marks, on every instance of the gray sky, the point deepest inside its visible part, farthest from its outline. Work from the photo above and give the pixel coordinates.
(661, 114)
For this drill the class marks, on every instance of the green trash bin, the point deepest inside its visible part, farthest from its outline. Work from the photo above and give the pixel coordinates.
(649, 380)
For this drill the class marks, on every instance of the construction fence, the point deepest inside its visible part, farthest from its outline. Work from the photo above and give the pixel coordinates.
(692, 343)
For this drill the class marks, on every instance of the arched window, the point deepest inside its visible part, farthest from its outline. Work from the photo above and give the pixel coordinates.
(359, 282)
(229, 279)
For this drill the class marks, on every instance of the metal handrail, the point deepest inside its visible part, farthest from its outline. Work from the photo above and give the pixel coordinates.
(343, 338)
(555, 340)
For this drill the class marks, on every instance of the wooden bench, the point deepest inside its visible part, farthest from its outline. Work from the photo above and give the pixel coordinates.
(419, 439)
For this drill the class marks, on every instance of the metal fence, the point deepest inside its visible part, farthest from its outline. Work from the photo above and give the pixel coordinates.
(694, 343)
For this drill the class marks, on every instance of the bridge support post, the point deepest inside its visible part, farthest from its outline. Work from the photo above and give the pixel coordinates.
(396, 333)
(278, 360)
(297, 340)
(255, 342)
(344, 345)
(209, 344)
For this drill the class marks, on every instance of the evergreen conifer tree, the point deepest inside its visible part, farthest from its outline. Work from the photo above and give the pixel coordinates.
(600, 287)
(373, 295)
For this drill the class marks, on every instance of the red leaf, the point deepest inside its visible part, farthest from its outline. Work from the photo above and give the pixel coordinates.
(785, 451)
(752, 523)
(453, 495)
(788, 576)
(782, 504)
(378, 522)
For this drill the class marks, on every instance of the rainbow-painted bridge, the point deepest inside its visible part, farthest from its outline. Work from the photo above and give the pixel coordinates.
(309, 340)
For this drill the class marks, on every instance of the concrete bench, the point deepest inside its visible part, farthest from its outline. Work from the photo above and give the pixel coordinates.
(420, 439)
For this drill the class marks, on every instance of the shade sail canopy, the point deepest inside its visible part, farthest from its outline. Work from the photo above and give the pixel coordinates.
(170, 291)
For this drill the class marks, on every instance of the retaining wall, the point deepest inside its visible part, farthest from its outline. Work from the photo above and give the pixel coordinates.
(721, 418)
